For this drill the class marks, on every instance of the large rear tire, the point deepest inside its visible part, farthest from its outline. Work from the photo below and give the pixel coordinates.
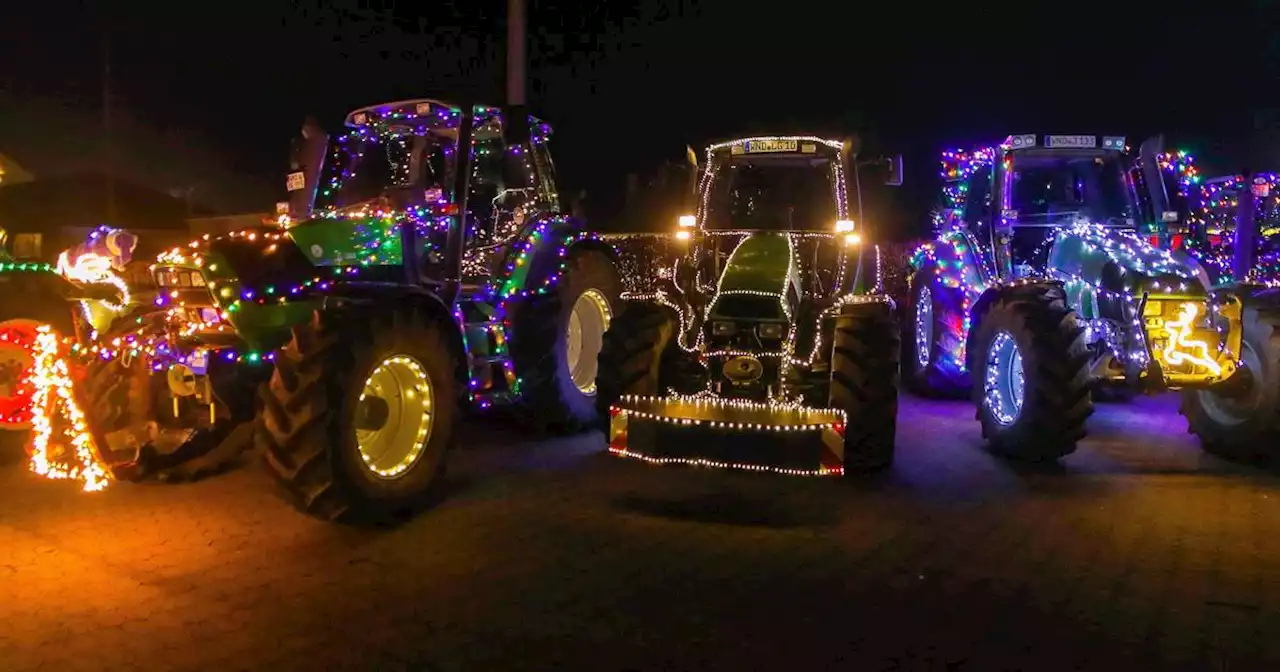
(1030, 364)
(1243, 423)
(359, 413)
(557, 339)
(864, 383)
(630, 361)
(934, 339)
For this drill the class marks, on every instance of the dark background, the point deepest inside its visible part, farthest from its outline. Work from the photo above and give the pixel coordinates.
(205, 96)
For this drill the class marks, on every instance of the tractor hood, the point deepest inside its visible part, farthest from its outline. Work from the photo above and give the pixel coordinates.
(759, 282)
(1119, 260)
(339, 239)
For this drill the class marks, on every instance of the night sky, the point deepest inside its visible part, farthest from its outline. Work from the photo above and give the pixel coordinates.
(208, 96)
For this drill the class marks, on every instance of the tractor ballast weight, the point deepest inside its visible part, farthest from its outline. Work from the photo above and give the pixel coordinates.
(757, 334)
(1039, 291)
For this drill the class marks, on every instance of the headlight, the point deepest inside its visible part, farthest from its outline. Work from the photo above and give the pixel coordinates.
(772, 331)
(723, 328)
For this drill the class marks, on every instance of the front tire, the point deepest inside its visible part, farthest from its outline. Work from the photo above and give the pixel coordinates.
(121, 404)
(359, 413)
(1030, 366)
(557, 341)
(864, 383)
(630, 361)
(1245, 424)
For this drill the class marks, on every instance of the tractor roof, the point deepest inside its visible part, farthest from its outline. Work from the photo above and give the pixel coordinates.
(407, 111)
(776, 145)
(1029, 140)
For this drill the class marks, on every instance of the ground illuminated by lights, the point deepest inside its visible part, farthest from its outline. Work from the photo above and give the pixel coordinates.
(1137, 553)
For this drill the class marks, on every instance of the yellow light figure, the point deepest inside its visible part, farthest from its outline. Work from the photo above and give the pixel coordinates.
(1181, 347)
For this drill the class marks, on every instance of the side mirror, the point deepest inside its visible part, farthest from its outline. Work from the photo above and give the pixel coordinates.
(894, 178)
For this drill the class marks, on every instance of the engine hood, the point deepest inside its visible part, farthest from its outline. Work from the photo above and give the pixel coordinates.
(1119, 260)
(760, 280)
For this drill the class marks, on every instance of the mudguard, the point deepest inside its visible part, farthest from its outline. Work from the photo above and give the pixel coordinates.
(391, 294)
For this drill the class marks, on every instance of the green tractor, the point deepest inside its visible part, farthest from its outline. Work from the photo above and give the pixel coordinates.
(761, 316)
(425, 264)
(1040, 293)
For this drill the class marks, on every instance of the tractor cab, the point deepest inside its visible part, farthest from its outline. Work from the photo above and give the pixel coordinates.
(775, 184)
(401, 161)
(1039, 188)
(1234, 254)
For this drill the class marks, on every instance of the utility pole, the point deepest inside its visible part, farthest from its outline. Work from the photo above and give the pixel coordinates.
(516, 53)
(107, 163)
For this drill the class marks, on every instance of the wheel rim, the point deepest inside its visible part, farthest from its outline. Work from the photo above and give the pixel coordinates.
(394, 416)
(16, 340)
(588, 321)
(1231, 410)
(1005, 381)
(924, 326)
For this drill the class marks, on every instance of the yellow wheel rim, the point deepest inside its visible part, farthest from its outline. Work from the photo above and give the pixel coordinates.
(394, 416)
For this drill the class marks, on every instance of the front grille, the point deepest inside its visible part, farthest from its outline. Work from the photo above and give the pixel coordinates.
(179, 278)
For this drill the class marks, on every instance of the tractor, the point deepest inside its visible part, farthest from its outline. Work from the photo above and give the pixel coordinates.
(82, 292)
(424, 264)
(1040, 289)
(1233, 228)
(759, 322)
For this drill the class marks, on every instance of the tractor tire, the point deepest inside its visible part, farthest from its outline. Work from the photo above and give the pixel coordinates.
(1244, 426)
(933, 337)
(864, 383)
(631, 359)
(316, 399)
(116, 398)
(556, 340)
(1040, 337)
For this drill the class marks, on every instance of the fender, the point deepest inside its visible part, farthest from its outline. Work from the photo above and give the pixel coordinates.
(387, 294)
(538, 251)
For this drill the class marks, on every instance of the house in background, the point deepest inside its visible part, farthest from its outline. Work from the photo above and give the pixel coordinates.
(11, 173)
(45, 216)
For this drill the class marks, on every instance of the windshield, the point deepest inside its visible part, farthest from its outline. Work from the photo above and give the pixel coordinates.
(367, 166)
(1052, 186)
(774, 194)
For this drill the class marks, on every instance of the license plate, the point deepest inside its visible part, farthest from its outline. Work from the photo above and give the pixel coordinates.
(758, 146)
(1087, 141)
(200, 363)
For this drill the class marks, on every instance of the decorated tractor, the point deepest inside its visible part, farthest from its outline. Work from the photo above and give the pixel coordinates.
(1233, 228)
(761, 325)
(426, 263)
(43, 308)
(1039, 288)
